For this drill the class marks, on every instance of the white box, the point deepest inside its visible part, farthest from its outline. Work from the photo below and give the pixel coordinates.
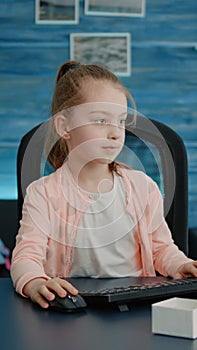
(176, 316)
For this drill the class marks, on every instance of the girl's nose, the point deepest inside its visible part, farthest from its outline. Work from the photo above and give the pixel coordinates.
(114, 132)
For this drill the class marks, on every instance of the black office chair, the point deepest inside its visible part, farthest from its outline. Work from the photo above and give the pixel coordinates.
(150, 145)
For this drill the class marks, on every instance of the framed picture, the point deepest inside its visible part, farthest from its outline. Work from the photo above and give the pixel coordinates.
(57, 11)
(133, 8)
(111, 50)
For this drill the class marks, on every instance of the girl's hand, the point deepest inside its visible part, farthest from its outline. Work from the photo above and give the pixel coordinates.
(186, 270)
(40, 290)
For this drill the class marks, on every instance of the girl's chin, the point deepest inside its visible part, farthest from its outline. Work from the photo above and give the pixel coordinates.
(103, 161)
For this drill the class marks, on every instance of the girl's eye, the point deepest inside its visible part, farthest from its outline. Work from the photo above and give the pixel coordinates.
(100, 121)
(122, 122)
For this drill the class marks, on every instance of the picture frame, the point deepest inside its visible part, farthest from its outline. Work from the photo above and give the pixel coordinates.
(111, 50)
(56, 11)
(129, 8)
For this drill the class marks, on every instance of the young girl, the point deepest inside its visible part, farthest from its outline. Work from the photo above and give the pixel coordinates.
(92, 217)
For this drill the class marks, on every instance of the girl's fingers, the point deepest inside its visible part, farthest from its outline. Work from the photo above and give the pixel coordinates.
(49, 289)
(187, 270)
(193, 270)
(40, 300)
(47, 293)
(61, 286)
(177, 276)
(69, 287)
(56, 286)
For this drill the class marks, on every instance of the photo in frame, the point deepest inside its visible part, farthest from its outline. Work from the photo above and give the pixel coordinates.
(57, 11)
(132, 8)
(111, 50)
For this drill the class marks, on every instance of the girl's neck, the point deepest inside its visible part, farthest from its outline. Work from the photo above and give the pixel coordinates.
(96, 178)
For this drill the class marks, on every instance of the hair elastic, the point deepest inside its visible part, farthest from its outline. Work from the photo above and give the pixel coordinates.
(70, 66)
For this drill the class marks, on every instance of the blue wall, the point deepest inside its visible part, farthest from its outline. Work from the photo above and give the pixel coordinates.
(163, 80)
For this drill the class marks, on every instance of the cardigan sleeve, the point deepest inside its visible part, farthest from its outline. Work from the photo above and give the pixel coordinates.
(167, 257)
(29, 254)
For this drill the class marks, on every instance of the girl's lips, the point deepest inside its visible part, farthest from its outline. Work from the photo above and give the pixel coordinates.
(111, 145)
(110, 148)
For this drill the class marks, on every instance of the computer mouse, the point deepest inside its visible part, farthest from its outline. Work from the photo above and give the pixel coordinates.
(70, 303)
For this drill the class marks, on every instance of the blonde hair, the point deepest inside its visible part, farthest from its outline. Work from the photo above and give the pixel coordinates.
(68, 93)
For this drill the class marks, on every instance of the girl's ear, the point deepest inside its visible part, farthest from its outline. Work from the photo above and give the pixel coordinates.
(61, 126)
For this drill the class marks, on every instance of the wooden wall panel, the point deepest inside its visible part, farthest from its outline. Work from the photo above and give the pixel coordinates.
(163, 80)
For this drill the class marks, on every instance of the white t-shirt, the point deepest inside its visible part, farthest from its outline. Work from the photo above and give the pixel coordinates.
(106, 244)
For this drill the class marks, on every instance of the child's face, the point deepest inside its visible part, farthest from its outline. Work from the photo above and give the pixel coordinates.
(97, 128)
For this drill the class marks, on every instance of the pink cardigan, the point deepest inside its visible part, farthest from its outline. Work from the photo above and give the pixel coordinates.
(53, 207)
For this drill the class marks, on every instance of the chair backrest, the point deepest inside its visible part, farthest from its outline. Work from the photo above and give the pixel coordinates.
(151, 146)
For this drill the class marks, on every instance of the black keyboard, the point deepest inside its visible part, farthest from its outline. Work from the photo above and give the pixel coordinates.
(147, 289)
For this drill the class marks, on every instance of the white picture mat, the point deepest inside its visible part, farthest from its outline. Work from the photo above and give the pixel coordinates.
(111, 50)
(129, 8)
(52, 17)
